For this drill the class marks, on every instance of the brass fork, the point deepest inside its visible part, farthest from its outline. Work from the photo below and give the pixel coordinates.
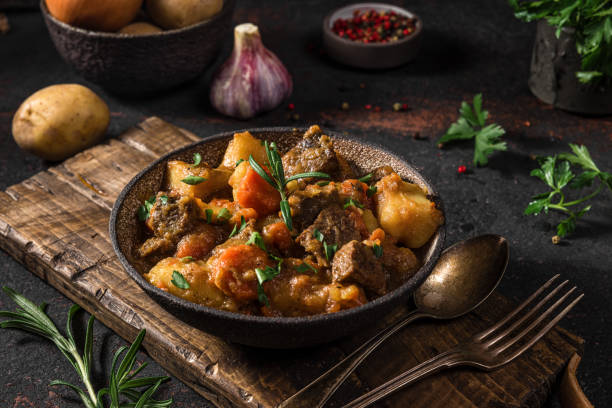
(493, 347)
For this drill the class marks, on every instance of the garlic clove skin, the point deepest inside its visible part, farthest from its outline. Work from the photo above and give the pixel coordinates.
(252, 80)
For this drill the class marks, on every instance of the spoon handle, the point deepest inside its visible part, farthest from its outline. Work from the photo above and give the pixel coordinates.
(321, 389)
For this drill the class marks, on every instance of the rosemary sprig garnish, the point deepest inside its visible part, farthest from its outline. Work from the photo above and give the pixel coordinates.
(277, 179)
(122, 385)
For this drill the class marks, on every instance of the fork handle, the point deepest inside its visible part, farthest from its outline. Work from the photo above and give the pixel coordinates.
(316, 394)
(441, 361)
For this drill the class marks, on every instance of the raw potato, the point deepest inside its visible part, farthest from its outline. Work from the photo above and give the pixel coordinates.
(242, 145)
(172, 14)
(140, 28)
(216, 179)
(404, 211)
(60, 120)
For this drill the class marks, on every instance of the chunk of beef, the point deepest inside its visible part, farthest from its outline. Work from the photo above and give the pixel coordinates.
(315, 152)
(336, 227)
(306, 204)
(400, 263)
(156, 248)
(356, 263)
(173, 217)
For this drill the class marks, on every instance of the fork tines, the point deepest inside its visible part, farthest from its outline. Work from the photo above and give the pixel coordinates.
(536, 312)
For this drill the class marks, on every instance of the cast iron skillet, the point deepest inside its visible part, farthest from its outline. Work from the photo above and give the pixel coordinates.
(127, 233)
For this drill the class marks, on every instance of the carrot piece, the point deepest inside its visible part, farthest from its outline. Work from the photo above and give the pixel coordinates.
(254, 192)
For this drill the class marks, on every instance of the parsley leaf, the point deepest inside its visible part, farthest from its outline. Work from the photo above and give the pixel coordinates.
(238, 162)
(209, 214)
(378, 250)
(193, 180)
(238, 230)
(257, 240)
(329, 250)
(223, 214)
(351, 202)
(371, 191)
(471, 125)
(164, 199)
(197, 159)
(306, 267)
(179, 280)
(187, 259)
(366, 178)
(145, 209)
(264, 275)
(556, 173)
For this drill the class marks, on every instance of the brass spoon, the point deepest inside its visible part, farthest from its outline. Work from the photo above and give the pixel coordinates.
(465, 275)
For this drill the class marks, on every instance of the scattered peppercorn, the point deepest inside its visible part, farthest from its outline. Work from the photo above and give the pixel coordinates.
(291, 106)
(404, 106)
(295, 116)
(397, 106)
(368, 107)
(345, 106)
(556, 240)
(527, 123)
(377, 109)
(372, 26)
(461, 169)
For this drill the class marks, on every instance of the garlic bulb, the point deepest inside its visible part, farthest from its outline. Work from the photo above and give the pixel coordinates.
(252, 80)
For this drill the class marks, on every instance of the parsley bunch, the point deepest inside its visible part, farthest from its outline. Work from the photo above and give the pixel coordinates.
(123, 384)
(471, 125)
(277, 179)
(556, 172)
(592, 20)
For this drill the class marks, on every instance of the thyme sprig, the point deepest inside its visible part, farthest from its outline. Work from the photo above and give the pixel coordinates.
(124, 389)
(277, 179)
(557, 173)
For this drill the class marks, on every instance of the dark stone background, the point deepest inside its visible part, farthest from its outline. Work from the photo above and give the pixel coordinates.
(469, 47)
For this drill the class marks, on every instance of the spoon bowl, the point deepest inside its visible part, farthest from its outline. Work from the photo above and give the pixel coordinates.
(464, 277)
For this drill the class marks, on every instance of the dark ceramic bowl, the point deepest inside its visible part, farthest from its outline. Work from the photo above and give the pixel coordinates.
(371, 55)
(133, 64)
(126, 233)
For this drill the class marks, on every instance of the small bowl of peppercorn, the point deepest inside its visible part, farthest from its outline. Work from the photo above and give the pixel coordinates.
(372, 35)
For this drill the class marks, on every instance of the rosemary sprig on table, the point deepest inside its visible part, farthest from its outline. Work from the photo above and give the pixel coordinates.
(123, 384)
(556, 172)
(277, 179)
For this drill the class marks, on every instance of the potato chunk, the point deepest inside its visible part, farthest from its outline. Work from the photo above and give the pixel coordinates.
(404, 211)
(242, 145)
(201, 290)
(216, 179)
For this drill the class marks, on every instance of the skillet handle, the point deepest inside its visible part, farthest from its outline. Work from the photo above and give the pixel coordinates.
(570, 394)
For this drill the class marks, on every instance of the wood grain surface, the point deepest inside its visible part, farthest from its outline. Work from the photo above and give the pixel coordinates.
(56, 223)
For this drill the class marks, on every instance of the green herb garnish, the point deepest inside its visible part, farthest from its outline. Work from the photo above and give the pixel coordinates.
(378, 250)
(164, 199)
(264, 275)
(187, 259)
(556, 172)
(223, 214)
(592, 20)
(366, 178)
(257, 240)
(471, 125)
(209, 214)
(238, 230)
(145, 209)
(123, 385)
(197, 159)
(179, 280)
(306, 267)
(277, 178)
(350, 202)
(323, 183)
(371, 191)
(329, 250)
(193, 180)
(238, 162)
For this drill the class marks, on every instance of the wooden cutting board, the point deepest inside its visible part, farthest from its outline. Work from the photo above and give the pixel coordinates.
(56, 224)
